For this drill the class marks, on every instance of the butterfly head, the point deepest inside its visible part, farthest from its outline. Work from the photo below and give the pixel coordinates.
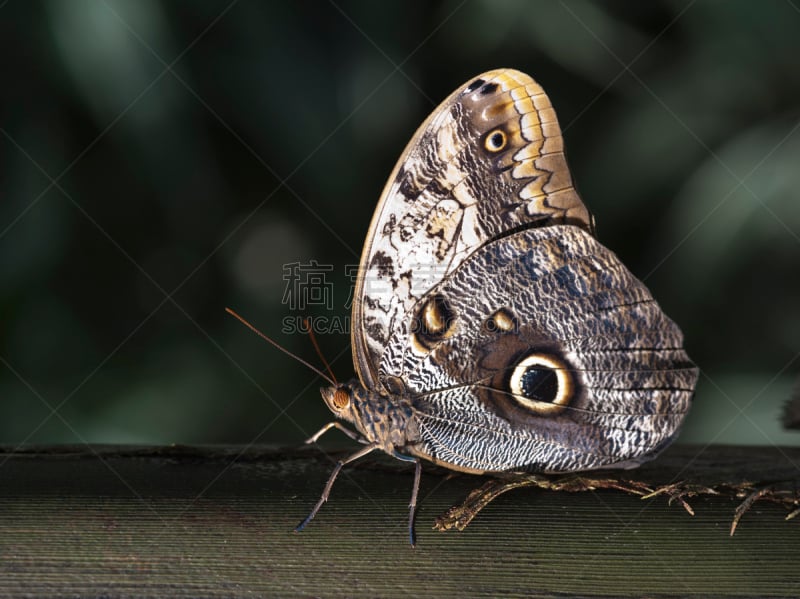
(348, 402)
(339, 399)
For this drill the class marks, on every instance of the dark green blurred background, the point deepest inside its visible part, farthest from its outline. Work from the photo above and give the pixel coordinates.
(160, 161)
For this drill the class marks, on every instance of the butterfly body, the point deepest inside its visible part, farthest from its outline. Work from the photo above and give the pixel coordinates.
(491, 331)
(380, 420)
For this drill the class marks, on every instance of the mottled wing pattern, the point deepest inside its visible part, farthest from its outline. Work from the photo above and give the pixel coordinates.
(553, 292)
(488, 160)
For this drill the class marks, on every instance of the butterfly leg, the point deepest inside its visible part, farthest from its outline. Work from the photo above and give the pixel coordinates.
(353, 435)
(327, 490)
(412, 505)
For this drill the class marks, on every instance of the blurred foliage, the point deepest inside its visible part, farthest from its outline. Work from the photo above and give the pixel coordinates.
(163, 160)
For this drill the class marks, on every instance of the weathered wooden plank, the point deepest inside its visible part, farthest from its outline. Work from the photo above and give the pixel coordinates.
(217, 522)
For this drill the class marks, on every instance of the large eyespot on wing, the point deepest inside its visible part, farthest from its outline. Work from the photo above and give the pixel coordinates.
(489, 160)
(540, 382)
(523, 374)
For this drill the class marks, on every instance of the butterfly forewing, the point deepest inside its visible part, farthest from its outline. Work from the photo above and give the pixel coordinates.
(487, 161)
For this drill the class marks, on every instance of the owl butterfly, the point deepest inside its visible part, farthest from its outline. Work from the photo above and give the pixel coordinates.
(491, 331)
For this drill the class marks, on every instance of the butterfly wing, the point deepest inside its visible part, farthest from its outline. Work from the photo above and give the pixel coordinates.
(541, 352)
(487, 161)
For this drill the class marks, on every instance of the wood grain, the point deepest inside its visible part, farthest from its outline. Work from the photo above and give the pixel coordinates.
(217, 522)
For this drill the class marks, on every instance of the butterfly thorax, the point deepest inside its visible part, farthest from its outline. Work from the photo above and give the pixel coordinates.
(386, 422)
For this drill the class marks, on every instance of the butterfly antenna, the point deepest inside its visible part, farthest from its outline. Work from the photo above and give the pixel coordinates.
(280, 347)
(319, 351)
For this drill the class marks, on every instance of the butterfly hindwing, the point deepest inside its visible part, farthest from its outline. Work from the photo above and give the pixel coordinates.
(541, 351)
